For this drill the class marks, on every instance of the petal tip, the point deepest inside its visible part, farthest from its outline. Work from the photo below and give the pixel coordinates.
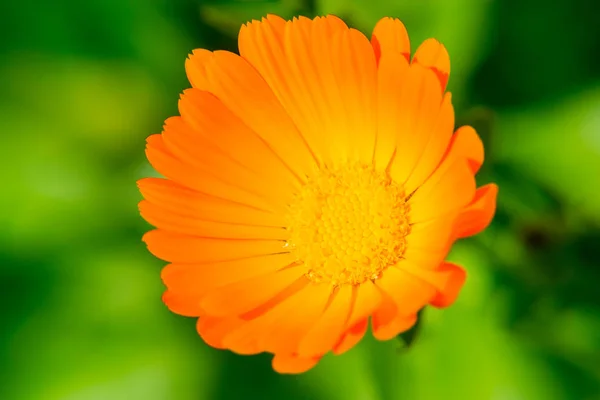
(434, 55)
(292, 364)
(456, 279)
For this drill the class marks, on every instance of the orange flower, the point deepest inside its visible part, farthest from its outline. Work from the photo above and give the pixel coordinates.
(312, 183)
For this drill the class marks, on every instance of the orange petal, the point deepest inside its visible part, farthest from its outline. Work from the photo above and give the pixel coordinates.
(188, 146)
(199, 179)
(466, 143)
(477, 216)
(244, 296)
(187, 283)
(392, 75)
(428, 243)
(446, 278)
(455, 278)
(451, 187)
(366, 299)
(328, 329)
(292, 364)
(241, 88)
(285, 333)
(427, 263)
(408, 292)
(324, 76)
(275, 330)
(404, 296)
(434, 149)
(212, 330)
(210, 123)
(245, 339)
(178, 222)
(390, 36)
(433, 54)
(262, 44)
(413, 117)
(351, 337)
(356, 73)
(400, 323)
(176, 198)
(211, 136)
(184, 304)
(197, 278)
(387, 322)
(197, 69)
(385, 314)
(176, 247)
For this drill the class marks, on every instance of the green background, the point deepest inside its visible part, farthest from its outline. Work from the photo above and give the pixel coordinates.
(83, 83)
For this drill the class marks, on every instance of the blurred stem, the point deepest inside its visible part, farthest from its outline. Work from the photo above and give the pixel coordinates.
(310, 8)
(408, 337)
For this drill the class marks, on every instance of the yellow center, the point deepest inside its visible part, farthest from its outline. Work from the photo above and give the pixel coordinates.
(348, 225)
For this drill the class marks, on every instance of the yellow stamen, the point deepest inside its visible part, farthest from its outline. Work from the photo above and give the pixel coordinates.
(348, 225)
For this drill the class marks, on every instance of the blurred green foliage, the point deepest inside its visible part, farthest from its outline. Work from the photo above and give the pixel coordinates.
(83, 84)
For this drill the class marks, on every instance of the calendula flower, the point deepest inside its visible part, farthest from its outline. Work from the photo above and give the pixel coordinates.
(313, 184)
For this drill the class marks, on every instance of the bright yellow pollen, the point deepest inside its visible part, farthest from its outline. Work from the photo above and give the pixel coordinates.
(348, 225)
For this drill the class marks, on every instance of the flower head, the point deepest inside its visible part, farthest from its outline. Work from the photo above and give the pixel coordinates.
(313, 184)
